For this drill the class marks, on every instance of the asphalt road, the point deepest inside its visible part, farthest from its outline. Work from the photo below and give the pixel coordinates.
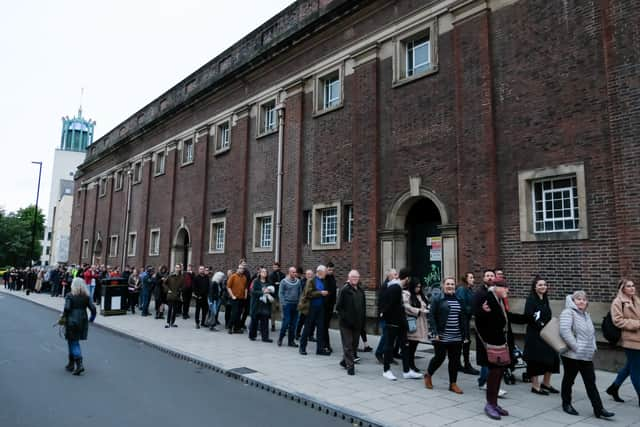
(126, 383)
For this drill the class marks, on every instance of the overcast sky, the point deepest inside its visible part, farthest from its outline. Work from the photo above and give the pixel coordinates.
(123, 53)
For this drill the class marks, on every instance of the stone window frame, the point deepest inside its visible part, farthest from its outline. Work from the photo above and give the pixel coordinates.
(257, 231)
(132, 244)
(113, 245)
(85, 249)
(317, 211)
(262, 130)
(187, 141)
(157, 170)
(102, 187)
(136, 175)
(526, 199)
(218, 148)
(214, 224)
(118, 179)
(152, 251)
(320, 106)
(400, 42)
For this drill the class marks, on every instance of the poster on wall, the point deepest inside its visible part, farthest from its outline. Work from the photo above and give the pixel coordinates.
(434, 274)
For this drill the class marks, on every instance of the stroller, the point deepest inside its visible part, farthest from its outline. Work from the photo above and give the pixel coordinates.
(517, 362)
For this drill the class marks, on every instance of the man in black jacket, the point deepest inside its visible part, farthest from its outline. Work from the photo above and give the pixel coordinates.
(351, 309)
(329, 304)
(201, 293)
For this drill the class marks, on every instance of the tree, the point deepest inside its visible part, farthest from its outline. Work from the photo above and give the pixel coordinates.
(16, 236)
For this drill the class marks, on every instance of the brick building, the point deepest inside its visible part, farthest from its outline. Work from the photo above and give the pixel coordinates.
(445, 135)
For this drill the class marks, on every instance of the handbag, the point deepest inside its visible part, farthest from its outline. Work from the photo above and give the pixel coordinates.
(412, 323)
(550, 334)
(496, 354)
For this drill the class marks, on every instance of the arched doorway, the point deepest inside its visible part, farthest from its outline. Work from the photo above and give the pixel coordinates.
(424, 242)
(181, 250)
(417, 234)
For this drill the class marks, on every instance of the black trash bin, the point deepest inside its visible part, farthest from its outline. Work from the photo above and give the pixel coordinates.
(114, 296)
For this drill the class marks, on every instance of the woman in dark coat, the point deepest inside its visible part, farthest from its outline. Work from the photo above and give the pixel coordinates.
(540, 357)
(260, 308)
(76, 322)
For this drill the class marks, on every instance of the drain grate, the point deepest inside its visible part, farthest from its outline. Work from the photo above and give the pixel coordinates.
(242, 370)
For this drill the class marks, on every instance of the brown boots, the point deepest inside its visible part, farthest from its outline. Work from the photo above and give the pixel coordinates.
(427, 381)
(454, 388)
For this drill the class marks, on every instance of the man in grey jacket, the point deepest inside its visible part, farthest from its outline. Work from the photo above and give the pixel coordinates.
(289, 295)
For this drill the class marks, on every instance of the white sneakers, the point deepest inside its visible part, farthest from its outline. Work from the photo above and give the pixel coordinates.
(411, 375)
(389, 375)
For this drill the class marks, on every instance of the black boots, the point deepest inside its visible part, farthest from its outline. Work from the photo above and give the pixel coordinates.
(613, 392)
(603, 413)
(69, 366)
(569, 409)
(79, 367)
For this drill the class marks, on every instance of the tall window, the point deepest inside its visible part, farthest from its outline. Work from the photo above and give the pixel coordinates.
(308, 227)
(161, 163)
(85, 249)
(418, 55)
(217, 235)
(268, 117)
(328, 91)
(119, 180)
(223, 139)
(348, 223)
(131, 244)
(137, 172)
(113, 246)
(556, 205)
(187, 151)
(329, 226)
(102, 187)
(415, 53)
(154, 242)
(263, 231)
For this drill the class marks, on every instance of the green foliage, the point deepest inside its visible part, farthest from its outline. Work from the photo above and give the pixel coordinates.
(16, 236)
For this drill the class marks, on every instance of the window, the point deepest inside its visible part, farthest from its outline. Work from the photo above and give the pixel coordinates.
(415, 53)
(262, 231)
(326, 226)
(267, 118)
(308, 227)
(217, 235)
(160, 163)
(223, 137)
(328, 91)
(154, 242)
(131, 244)
(102, 187)
(552, 203)
(137, 172)
(187, 151)
(113, 246)
(119, 178)
(348, 223)
(85, 249)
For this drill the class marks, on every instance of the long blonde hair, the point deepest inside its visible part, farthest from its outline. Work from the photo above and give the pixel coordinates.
(78, 287)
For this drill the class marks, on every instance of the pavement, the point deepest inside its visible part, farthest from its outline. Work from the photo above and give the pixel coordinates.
(366, 398)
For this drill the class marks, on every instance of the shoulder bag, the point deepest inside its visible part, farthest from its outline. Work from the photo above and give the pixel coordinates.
(412, 323)
(550, 334)
(496, 354)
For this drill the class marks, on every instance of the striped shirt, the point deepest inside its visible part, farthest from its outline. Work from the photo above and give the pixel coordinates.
(452, 331)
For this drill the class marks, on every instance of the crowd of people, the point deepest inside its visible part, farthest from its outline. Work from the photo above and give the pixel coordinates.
(305, 301)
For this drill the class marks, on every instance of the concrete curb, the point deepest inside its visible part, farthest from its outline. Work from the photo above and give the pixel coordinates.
(353, 417)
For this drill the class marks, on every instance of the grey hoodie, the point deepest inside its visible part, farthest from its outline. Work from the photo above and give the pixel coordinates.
(577, 330)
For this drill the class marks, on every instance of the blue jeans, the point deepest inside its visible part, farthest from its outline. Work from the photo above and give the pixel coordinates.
(74, 349)
(383, 338)
(289, 320)
(92, 289)
(633, 360)
(623, 373)
(145, 295)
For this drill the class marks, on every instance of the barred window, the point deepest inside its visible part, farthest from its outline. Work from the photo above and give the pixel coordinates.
(329, 226)
(555, 204)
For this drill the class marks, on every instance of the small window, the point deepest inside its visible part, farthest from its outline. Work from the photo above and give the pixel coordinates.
(223, 137)
(160, 163)
(552, 203)
(131, 244)
(85, 249)
(113, 246)
(267, 118)
(308, 227)
(348, 223)
(187, 151)
(137, 172)
(217, 235)
(328, 91)
(102, 187)
(154, 242)
(414, 53)
(263, 231)
(119, 178)
(326, 226)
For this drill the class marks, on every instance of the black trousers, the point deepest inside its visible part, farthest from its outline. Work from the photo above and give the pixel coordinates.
(246, 306)
(171, 313)
(450, 350)
(301, 321)
(350, 340)
(201, 306)
(413, 346)
(314, 319)
(236, 307)
(186, 302)
(393, 333)
(259, 321)
(588, 374)
(227, 315)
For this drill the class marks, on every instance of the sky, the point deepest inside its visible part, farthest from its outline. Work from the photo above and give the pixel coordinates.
(123, 53)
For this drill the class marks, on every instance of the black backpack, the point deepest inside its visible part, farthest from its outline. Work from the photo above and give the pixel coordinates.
(610, 331)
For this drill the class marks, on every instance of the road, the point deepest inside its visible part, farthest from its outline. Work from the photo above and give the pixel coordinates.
(126, 383)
